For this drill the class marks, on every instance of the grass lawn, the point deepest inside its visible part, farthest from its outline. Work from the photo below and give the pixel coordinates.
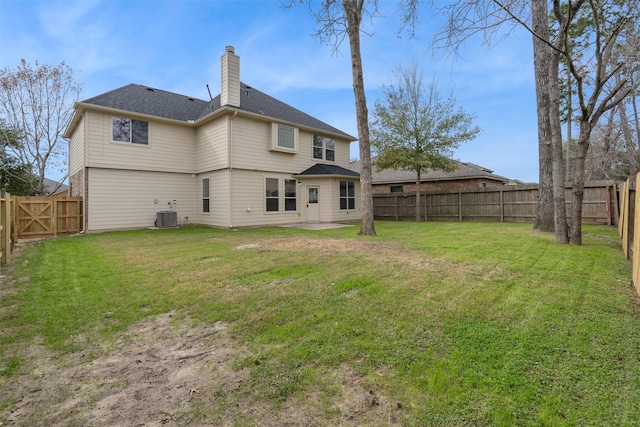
(439, 323)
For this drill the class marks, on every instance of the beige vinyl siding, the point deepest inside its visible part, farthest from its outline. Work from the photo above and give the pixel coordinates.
(218, 215)
(171, 148)
(76, 149)
(121, 199)
(343, 154)
(212, 143)
(252, 143)
(248, 200)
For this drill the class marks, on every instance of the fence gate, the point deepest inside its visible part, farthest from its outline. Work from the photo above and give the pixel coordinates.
(47, 216)
(34, 217)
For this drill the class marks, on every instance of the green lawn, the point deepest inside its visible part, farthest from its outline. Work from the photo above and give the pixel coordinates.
(451, 323)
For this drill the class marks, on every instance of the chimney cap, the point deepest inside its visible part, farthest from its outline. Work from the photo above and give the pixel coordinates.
(229, 49)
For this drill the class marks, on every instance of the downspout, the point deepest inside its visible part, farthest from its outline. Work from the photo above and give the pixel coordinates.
(230, 163)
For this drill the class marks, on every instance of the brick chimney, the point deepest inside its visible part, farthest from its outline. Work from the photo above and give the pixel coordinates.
(230, 78)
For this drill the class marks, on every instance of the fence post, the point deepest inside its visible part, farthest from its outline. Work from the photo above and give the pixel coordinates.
(397, 209)
(3, 222)
(631, 214)
(635, 246)
(426, 208)
(459, 206)
(6, 222)
(54, 217)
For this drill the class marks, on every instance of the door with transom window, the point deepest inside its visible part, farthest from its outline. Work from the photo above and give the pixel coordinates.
(313, 204)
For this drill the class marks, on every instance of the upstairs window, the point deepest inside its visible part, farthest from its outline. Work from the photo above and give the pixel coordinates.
(284, 138)
(329, 149)
(324, 148)
(318, 147)
(130, 131)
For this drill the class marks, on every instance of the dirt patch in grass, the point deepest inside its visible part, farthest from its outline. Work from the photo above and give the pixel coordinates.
(165, 371)
(168, 371)
(391, 251)
(151, 376)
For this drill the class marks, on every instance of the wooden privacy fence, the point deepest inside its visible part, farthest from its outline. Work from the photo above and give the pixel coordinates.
(25, 217)
(629, 222)
(36, 217)
(516, 203)
(5, 229)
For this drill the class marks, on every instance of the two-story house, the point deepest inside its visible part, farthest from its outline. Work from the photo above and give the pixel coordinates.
(241, 159)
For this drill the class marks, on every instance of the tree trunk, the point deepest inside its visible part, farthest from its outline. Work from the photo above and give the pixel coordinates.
(541, 62)
(628, 140)
(353, 12)
(557, 166)
(575, 236)
(569, 125)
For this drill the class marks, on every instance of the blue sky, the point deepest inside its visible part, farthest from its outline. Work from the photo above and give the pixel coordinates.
(176, 46)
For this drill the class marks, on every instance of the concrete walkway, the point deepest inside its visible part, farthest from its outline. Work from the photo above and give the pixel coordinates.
(317, 226)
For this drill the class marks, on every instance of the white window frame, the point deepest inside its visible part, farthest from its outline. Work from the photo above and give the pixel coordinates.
(295, 195)
(348, 196)
(275, 133)
(206, 195)
(323, 140)
(267, 197)
(131, 133)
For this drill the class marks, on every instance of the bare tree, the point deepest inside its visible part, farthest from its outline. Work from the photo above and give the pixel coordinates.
(343, 18)
(629, 54)
(602, 23)
(597, 89)
(607, 157)
(37, 103)
(466, 18)
(15, 177)
(415, 129)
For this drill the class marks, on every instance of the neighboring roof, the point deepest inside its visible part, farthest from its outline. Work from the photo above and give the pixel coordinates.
(52, 187)
(159, 103)
(463, 171)
(324, 170)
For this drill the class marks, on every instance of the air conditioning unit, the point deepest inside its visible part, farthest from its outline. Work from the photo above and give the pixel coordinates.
(166, 219)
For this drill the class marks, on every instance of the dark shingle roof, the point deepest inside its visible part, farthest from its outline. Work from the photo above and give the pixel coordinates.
(463, 171)
(151, 101)
(155, 102)
(322, 169)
